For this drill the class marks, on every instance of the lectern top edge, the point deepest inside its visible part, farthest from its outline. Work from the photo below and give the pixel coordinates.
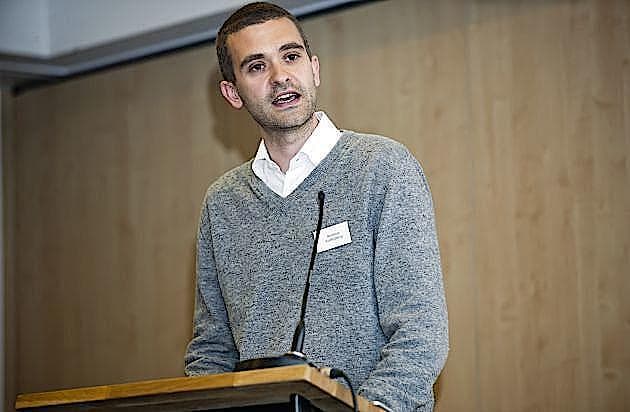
(172, 389)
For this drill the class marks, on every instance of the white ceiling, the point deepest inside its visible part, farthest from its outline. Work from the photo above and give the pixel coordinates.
(47, 40)
(48, 28)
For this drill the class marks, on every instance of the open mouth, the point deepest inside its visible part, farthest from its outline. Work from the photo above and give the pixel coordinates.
(285, 99)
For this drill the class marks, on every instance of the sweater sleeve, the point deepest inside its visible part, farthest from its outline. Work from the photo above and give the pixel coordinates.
(410, 294)
(211, 349)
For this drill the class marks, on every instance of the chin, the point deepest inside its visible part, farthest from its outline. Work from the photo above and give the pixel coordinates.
(291, 122)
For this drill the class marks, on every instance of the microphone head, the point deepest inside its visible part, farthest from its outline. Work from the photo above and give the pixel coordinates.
(320, 197)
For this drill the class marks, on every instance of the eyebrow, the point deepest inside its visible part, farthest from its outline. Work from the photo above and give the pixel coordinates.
(251, 58)
(256, 56)
(291, 46)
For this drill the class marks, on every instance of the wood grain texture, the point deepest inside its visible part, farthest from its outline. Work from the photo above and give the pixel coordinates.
(518, 111)
(226, 390)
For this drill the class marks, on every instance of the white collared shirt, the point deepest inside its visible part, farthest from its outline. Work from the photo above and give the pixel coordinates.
(314, 150)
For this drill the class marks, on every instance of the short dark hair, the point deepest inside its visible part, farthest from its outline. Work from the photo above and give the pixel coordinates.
(248, 15)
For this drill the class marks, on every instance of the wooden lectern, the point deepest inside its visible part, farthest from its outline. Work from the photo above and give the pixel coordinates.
(211, 392)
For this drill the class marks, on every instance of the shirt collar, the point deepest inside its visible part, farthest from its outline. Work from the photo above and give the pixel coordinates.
(323, 139)
(316, 147)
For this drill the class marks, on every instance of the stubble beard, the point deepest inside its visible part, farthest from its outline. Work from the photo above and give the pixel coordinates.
(284, 122)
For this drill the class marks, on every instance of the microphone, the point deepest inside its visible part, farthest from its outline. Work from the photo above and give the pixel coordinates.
(298, 336)
(295, 355)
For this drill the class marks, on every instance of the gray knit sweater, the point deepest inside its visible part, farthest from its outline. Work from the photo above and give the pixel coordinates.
(376, 305)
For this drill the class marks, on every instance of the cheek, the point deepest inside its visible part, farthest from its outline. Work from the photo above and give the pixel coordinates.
(260, 89)
(253, 91)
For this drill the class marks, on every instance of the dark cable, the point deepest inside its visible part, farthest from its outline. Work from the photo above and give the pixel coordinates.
(338, 373)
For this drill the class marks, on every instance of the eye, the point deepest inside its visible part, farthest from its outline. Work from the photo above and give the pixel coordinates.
(291, 57)
(256, 67)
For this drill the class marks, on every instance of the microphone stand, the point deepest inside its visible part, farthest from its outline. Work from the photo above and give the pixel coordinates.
(295, 356)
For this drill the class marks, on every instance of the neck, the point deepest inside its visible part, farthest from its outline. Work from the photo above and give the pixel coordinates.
(283, 144)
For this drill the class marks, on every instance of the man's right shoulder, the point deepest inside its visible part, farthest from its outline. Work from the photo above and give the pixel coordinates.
(233, 180)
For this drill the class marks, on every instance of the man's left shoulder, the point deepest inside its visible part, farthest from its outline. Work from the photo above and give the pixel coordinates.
(379, 147)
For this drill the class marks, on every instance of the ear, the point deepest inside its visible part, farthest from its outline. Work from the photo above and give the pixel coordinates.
(315, 67)
(230, 93)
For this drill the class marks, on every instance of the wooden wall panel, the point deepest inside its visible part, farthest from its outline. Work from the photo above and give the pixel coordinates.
(518, 111)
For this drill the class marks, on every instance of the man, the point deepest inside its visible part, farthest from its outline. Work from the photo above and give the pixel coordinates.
(376, 302)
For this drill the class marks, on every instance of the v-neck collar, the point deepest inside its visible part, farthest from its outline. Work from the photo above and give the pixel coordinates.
(276, 201)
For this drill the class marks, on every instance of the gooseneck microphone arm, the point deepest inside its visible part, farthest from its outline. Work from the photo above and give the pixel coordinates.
(295, 356)
(298, 336)
(298, 403)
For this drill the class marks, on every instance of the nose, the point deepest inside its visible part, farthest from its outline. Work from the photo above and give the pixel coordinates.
(279, 74)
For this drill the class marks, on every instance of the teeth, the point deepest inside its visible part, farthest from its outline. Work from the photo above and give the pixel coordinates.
(285, 98)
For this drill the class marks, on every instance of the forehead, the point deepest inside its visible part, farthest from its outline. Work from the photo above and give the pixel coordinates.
(263, 38)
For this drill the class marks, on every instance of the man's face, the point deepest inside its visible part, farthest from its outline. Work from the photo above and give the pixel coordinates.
(276, 81)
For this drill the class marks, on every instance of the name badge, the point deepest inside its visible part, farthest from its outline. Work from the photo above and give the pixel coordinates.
(333, 236)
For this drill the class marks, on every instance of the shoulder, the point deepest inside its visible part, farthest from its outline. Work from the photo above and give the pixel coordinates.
(381, 150)
(373, 143)
(390, 163)
(231, 183)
